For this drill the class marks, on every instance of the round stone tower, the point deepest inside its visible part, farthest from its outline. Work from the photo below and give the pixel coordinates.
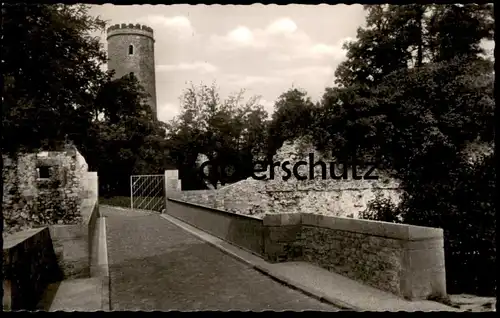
(131, 50)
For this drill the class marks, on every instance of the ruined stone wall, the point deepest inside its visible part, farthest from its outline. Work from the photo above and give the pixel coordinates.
(43, 188)
(344, 197)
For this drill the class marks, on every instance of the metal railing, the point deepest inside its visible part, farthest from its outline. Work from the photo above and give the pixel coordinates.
(147, 192)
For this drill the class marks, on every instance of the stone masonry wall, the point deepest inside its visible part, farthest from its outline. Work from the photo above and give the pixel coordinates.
(402, 259)
(376, 261)
(346, 198)
(43, 188)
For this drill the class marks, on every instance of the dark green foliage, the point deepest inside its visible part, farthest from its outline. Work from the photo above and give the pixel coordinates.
(50, 70)
(381, 209)
(420, 122)
(292, 117)
(401, 36)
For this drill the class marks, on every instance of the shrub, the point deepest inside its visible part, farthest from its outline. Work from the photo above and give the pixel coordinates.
(463, 207)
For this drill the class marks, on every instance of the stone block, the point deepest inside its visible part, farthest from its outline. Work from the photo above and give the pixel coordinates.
(63, 232)
(172, 174)
(416, 233)
(275, 252)
(29, 265)
(425, 259)
(309, 219)
(272, 220)
(288, 233)
(291, 219)
(433, 243)
(423, 284)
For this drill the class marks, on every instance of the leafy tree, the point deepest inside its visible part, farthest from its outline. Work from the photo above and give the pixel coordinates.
(417, 114)
(51, 69)
(292, 118)
(229, 132)
(404, 36)
(125, 139)
(55, 91)
(348, 124)
(458, 29)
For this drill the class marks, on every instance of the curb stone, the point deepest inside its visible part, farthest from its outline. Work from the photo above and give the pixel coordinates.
(105, 294)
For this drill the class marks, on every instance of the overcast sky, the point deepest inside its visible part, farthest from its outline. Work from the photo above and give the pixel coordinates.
(263, 49)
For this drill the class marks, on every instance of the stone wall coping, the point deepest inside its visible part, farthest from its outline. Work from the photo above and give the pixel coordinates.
(11, 240)
(87, 207)
(405, 232)
(293, 188)
(215, 210)
(397, 231)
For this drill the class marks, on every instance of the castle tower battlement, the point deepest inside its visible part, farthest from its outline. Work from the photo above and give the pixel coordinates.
(130, 29)
(131, 50)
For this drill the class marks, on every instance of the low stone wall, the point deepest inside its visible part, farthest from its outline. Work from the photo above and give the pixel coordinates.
(202, 197)
(402, 259)
(74, 243)
(34, 258)
(29, 265)
(244, 231)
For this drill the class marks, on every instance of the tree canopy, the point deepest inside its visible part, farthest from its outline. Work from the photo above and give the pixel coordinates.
(415, 92)
(51, 70)
(230, 132)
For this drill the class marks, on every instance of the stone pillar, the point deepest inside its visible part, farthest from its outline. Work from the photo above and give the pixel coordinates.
(172, 185)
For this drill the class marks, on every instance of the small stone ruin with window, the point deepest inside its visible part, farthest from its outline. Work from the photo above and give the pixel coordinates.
(43, 188)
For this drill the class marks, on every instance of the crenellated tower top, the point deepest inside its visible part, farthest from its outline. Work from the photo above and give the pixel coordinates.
(130, 29)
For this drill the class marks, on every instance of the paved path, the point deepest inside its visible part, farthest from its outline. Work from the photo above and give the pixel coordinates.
(155, 265)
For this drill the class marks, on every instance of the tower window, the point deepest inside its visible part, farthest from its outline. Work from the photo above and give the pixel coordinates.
(130, 49)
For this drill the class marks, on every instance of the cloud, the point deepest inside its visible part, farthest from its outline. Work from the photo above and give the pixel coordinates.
(268, 106)
(283, 25)
(247, 80)
(241, 35)
(282, 40)
(168, 111)
(203, 67)
(178, 25)
(309, 71)
(179, 22)
(319, 50)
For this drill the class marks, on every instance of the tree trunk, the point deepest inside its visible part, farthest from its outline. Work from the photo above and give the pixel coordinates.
(420, 43)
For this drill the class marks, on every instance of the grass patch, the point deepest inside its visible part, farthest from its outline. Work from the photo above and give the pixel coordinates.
(150, 203)
(123, 202)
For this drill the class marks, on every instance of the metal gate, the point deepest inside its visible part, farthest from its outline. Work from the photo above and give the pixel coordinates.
(147, 192)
